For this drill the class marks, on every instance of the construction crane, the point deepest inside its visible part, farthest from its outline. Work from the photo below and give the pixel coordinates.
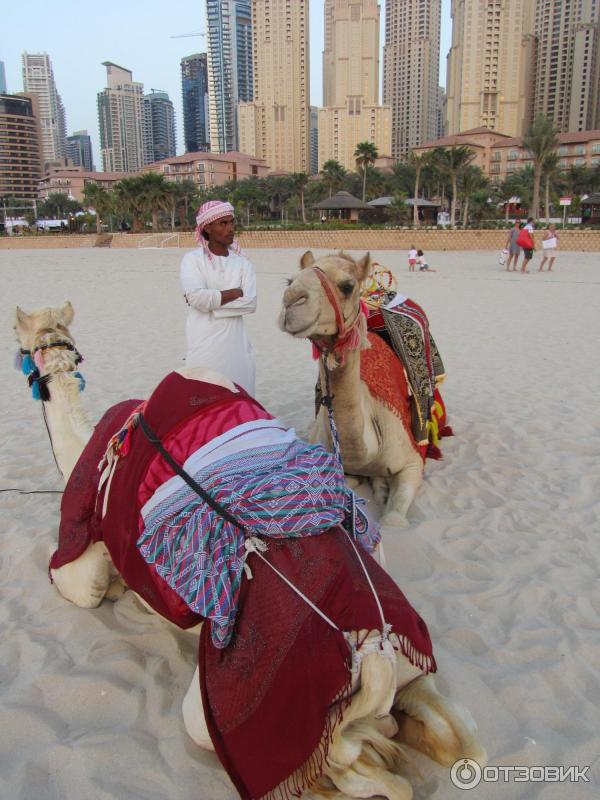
(186, 35)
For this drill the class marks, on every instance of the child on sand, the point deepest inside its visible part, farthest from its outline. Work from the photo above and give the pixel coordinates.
(423, 265)
(412, 258)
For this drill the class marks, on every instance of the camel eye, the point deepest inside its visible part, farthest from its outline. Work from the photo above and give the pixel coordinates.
(346, 288)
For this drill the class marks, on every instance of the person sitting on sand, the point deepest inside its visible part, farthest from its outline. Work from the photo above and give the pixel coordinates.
(423, 265)
(219, 286)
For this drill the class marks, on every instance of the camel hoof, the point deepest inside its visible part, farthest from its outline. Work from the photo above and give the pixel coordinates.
(394, 519)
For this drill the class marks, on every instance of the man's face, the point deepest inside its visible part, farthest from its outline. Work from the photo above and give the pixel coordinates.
(222, 231)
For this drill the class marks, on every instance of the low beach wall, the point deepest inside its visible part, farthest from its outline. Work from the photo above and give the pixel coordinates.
(351, 239)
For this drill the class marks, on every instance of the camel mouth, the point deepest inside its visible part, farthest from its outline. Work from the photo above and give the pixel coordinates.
(299, 333)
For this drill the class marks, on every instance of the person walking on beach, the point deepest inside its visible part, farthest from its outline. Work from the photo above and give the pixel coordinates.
(219, 286)
(550, 245)
(412, 258)
(525, 240)
(513, 248)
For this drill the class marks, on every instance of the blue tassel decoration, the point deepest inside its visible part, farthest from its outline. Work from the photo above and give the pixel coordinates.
(28, 365)
(81, 380)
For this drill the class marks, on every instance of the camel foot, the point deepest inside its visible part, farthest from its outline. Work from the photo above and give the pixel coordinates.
(381, 490)
(85, 581)
(433, 725)
(393, 519)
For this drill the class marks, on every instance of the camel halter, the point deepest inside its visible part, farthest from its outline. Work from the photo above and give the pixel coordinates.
(348, 336)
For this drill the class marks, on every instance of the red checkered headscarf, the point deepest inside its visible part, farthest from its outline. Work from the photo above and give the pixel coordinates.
(211, 212)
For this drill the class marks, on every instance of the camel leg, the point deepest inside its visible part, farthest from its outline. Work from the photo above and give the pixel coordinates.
(193, 715)
(434, 725)
(85, 581)
(403, 488)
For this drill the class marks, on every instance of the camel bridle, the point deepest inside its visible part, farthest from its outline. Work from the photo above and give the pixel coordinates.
(346, 335)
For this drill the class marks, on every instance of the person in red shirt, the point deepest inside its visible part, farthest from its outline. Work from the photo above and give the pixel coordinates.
(525, 240)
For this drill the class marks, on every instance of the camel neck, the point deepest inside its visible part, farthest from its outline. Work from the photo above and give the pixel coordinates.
(344, 385)
(68, 424)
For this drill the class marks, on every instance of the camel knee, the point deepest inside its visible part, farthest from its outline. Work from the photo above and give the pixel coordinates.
(193, 715)
(85, 581)
(434, 725)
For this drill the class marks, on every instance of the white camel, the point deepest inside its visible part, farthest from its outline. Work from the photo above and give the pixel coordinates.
(393, 703)
(321, 298)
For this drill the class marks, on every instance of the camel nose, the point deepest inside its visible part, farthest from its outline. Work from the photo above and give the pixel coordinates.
(294, 297)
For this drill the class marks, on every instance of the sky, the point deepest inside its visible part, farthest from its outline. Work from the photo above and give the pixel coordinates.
(78, 37)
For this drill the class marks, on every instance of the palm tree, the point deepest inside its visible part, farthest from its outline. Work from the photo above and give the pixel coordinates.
(333, 174)
(129, 199)
(551, 174)
(299, 182)
(96, 197)
(417, 162)
(542, 141)
(470, 181)
(155, 195)
(452, 161)
(366, 154)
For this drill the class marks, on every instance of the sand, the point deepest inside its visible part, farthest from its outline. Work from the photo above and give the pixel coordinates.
(501, 556)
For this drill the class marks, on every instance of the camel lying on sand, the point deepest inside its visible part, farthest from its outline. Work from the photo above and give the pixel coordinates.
(394, 702)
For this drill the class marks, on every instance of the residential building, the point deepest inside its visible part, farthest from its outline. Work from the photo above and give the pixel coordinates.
(441, 113)
(194, 90)
(567, 75)
(71, 181)
(20, 146)
(229, 62)
(499, 155)
(491, 66)
(314, 140)
(352, 113)
(275, 126)
(2, 78)
(121, 121)
(159, 126)
(79, 150)
(209, 169)
(38, 79)
(411, 58)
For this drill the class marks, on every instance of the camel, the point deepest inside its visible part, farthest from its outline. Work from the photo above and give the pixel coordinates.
(373, 441)
(394, 704)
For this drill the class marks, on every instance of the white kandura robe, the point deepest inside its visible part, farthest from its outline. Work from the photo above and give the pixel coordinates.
(216, 335)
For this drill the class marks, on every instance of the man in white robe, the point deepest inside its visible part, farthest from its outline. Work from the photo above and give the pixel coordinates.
(219, 285)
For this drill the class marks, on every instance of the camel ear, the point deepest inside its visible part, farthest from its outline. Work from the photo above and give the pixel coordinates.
(307, 260)
(67, 313)
(363, 267)
(22, 319)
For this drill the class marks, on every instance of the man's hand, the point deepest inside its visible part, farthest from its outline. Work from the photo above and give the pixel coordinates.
(229, 295)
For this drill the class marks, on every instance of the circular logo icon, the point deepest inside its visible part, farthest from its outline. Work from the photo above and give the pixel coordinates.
(466, 773)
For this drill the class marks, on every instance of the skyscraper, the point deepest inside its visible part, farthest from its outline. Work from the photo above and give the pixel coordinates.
(159, 126)
(2, 78)
(38, 79)
(411, 60)
(276, 125)
(121, 121)
(229, 58)
(22, 153)
(314, 140)
(79, 150)
(491, 66)
(352, 113)
(567, 75)
(194, 90)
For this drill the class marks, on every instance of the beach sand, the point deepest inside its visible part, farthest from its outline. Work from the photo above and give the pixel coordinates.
(501, 557)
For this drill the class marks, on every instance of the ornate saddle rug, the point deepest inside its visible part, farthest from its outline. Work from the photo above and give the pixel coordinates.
(274, 686)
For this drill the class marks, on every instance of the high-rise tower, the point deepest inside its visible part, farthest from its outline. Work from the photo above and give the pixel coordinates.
(351, 112)
(121, 121)
(411, 59)
(159, 126)
(194, 89)
(567, 75)
(275, 126)
(38, 79)
(491, 66)
(229, 59)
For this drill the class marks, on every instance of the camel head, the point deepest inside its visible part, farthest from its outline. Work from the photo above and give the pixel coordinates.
(322, 301)
(47, 347)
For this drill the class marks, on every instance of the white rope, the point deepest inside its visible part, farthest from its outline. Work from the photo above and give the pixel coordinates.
(254, 545)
